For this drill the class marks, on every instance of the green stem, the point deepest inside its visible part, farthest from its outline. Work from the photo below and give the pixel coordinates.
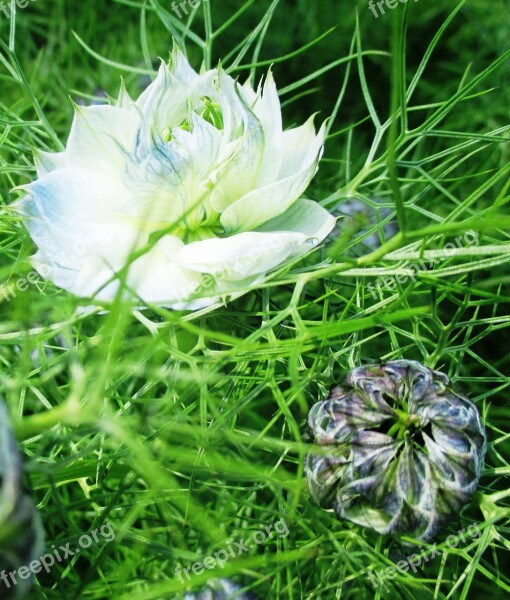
(68, 413)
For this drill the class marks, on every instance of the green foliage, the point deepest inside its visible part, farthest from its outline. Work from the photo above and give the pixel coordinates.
(185, 430)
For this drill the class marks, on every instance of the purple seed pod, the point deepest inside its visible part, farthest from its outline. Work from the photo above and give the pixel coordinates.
(403, 449)
(362, 217)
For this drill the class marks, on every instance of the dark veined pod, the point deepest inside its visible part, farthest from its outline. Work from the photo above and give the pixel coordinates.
(402, 449)
(220, 589)
(21, 532)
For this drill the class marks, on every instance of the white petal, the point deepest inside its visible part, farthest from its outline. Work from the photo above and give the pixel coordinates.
(268, 110)
(124, 100)
(243, 144)
(301, 147)
(173, 185)
(73, 214)
(249, 94)
(61, 276)
(154, 278)
(45, 162)
(164, 100)
(89, 280)
(167, 284)
(95, 279)
(167, 101)
(306, 217)
(267, 202)
(197, 304)
(180, 67)
(77, 194)
(240, 256)
(158, 279)
(100, 138)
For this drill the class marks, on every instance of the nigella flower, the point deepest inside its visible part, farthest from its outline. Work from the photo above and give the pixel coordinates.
(21, 532)
(402, 449)
(187, 194)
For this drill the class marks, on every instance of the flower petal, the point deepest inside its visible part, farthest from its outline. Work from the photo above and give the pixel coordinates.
(167, 101)
(72, 214)
(240, 256)
(164, 102)
(45, 162)
(154, 278)
(169, 80)
(100, 137)
(244, 142)
(124, 100)
(173, 185)
(267, 202)
(306, 217)
(266, 106)
(157, 278)
(300, 147)
(62, 277)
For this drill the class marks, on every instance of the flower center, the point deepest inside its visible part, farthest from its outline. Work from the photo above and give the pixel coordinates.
(210, 111)
(200, 221)
(403, 422)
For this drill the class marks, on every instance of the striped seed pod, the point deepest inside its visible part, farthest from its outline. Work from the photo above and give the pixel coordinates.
(402, 449)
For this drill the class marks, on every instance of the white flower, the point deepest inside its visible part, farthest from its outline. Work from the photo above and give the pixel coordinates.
(185, 195)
